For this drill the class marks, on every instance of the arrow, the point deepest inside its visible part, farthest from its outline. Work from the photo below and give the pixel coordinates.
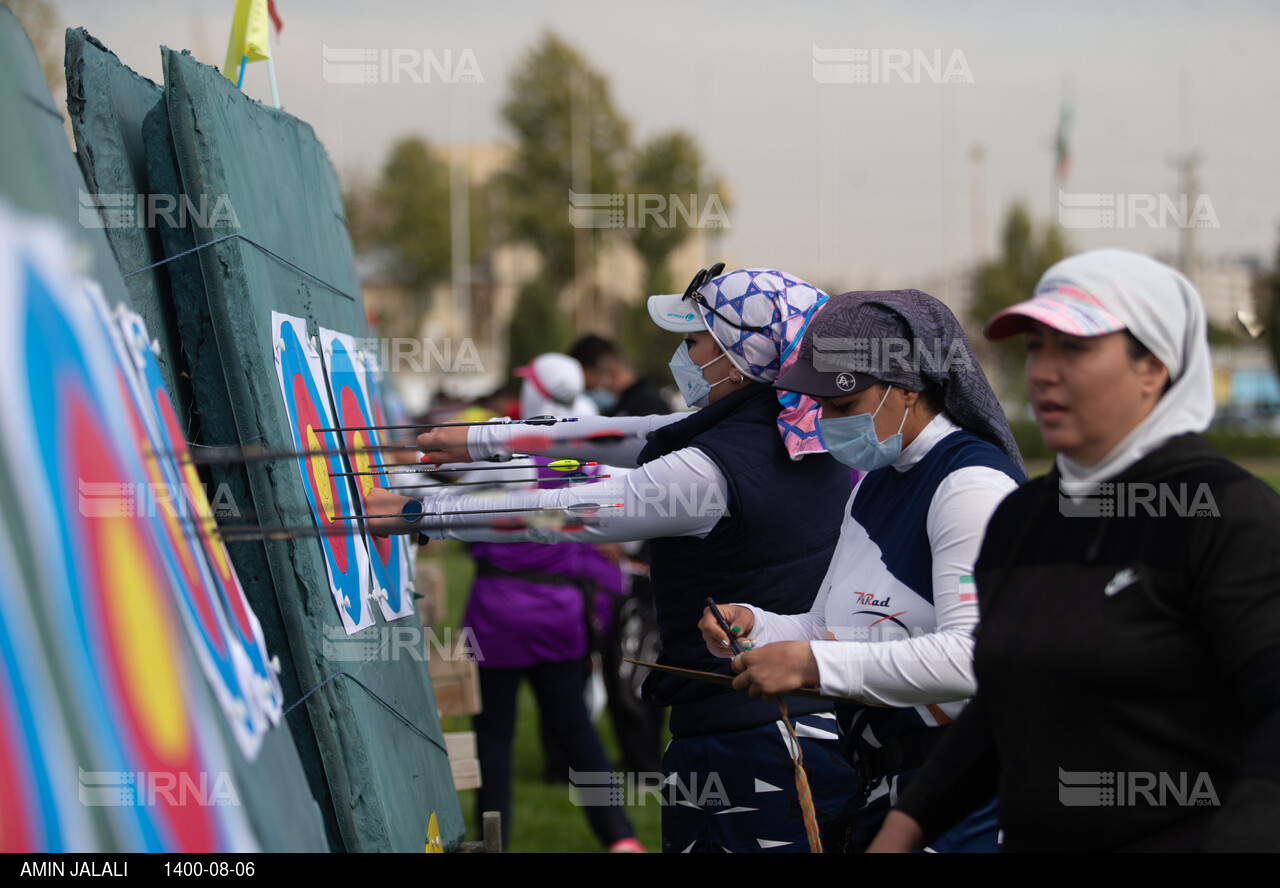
(722, 679)
(240, 533)
(446, 484)
(247, 533)
(210, 517)
(562, 465)
(412, 516)
(230, 455)
(533, 420)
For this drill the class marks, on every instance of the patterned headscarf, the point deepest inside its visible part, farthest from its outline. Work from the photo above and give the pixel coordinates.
(783, 305)
(909, 339)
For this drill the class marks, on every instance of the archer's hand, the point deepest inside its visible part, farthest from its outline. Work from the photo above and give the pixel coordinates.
(445, 445)
(899, 834)
(775, 669)
(737, 617)
(380, 501)
(613, 551)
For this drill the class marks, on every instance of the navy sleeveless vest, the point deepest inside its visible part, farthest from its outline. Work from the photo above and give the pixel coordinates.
(770, 549)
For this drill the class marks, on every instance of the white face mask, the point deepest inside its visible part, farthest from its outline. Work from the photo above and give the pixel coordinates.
(688, 376)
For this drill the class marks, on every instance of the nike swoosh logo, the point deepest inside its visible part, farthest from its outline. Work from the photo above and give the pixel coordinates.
(1122, 580)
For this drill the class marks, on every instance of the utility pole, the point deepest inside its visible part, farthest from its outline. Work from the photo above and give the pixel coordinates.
(460, 239)
(978, 203)
(1186, 163)
(583, 261)
(459, 220)
(1062, 150)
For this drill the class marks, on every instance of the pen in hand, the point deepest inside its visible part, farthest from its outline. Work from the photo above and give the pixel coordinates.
(733, 639)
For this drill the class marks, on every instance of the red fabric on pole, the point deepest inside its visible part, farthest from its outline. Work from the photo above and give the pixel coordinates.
(275, 16)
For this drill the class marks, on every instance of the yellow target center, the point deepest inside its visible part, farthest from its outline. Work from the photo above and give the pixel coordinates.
(360, 458)
(320, 471)
(200, 502)
(148, 661)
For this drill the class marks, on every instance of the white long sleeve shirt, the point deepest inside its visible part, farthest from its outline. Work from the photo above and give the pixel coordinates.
(680, 494)
(875, 640)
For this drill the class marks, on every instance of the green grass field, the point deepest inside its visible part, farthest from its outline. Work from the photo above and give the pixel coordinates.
(544, 817)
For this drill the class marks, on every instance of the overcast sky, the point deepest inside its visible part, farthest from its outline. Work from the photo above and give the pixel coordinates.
(848, 183)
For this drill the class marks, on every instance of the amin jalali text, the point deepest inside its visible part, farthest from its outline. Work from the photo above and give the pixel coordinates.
(75, 868)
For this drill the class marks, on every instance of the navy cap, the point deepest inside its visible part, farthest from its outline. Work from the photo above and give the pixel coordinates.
(845, 344)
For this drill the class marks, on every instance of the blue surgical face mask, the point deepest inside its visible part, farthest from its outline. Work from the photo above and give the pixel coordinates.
(604, 399)
(688, 375)
(852, 439)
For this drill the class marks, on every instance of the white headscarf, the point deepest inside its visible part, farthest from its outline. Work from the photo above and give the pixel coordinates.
(1163, 311)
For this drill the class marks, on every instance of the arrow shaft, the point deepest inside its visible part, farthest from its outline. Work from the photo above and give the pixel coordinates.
(247, 455)
(718, 678)
(571, 478)
(416, 517)
(537, 420)
(431, 470)
(248, 533)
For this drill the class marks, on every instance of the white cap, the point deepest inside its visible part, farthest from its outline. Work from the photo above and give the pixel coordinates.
(552, 383)
(675, 313)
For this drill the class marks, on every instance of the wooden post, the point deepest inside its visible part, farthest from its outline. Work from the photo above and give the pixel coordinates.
(492, 832)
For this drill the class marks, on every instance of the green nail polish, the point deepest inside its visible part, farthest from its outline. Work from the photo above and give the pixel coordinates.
(737, 630)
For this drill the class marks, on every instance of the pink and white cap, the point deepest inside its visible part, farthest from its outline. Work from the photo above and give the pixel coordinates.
(1057, 304)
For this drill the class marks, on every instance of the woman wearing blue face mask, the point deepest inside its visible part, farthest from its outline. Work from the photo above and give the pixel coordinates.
(741, 502)
(904, 400)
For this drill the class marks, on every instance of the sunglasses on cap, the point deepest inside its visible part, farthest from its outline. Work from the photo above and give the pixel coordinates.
(699, 281)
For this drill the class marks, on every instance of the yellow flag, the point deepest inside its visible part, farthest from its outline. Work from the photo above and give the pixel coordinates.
(435, 844)
(248, 37)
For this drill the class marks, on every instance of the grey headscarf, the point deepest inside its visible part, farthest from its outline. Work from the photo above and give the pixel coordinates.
(909, 339)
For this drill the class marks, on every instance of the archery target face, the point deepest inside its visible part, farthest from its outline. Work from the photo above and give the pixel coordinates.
(225, 632)
(134, 708)
(388, 555)
(300, 374)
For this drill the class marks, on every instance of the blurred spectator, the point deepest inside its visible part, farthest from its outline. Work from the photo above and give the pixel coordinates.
(612, 384)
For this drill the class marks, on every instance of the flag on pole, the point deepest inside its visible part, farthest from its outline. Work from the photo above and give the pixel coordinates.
(249, 41)
(275, 16)
(1062, 146)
